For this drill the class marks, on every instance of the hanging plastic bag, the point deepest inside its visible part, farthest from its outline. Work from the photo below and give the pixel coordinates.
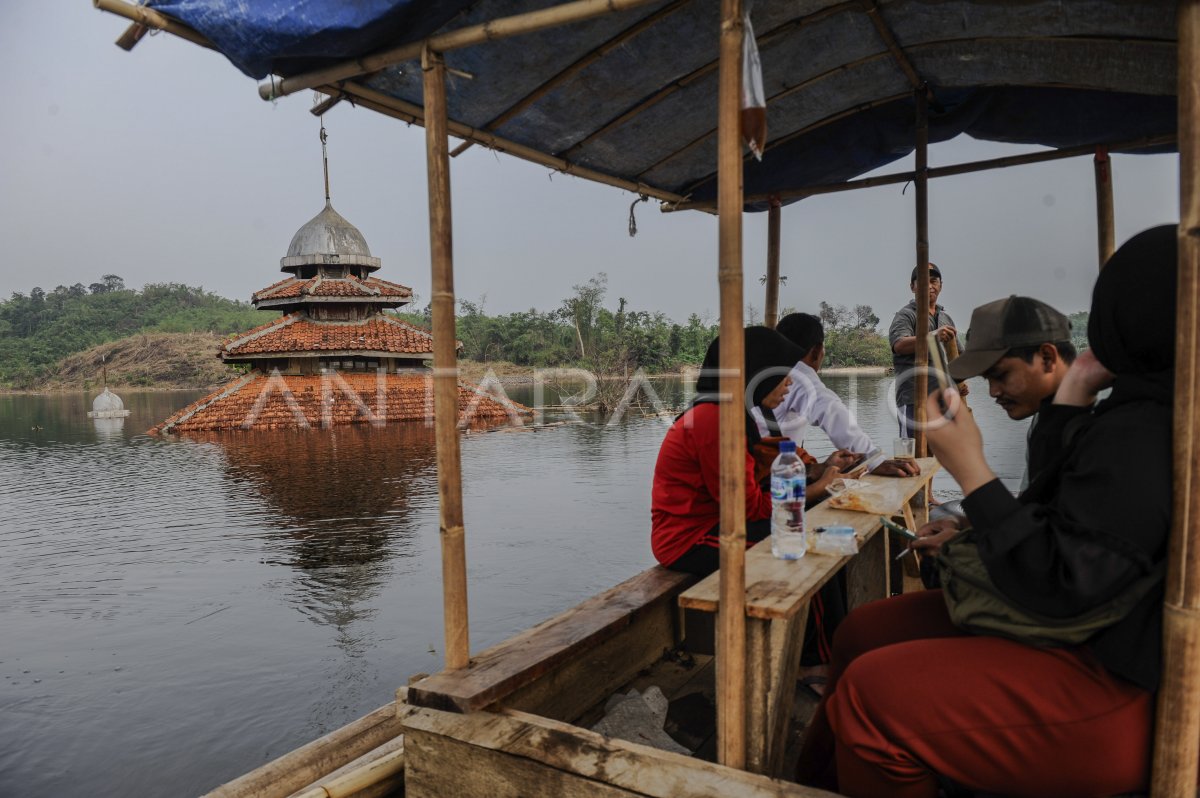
(754, 101)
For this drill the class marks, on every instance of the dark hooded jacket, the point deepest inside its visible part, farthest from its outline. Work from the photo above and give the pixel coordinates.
(685, 499)
(1098, 514)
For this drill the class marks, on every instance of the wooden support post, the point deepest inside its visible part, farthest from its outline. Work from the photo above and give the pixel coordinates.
(921, 183)
(1105, 235)
(731, 628)
(772, 664)
(771, 304)
(445, 371)
(1177, 726)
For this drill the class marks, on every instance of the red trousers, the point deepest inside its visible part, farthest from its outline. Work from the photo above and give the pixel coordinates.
(912, 697)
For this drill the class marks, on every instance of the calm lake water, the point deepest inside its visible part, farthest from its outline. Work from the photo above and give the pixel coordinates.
(176, 612)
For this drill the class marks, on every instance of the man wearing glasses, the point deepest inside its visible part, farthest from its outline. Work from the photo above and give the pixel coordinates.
(902, 335)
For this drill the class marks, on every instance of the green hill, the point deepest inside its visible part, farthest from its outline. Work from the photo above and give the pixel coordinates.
(40, 329)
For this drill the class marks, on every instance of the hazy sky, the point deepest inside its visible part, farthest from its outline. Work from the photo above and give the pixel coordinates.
(163, 165)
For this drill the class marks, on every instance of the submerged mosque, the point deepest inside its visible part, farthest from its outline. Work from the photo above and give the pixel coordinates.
(333, 356)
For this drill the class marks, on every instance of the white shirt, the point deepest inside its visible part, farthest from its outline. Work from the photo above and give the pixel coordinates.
(809, 401)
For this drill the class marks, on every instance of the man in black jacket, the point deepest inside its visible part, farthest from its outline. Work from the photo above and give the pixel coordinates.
(1023, 348)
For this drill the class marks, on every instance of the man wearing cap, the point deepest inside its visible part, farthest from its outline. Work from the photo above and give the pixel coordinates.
(1022, 347)
(902, 336)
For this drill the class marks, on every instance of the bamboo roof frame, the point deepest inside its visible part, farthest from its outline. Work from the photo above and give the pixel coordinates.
(1178, 725)
(340, 81)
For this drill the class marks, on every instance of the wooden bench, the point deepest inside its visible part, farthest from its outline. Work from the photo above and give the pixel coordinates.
(777, 599)
(563, 666)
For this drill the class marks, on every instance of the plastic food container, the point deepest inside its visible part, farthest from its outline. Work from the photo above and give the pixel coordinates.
(838, 540)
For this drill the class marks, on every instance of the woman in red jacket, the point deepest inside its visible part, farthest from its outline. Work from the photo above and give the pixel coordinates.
(685, 505)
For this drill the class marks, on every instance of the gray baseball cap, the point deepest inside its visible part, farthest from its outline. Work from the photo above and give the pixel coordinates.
(1006, 324)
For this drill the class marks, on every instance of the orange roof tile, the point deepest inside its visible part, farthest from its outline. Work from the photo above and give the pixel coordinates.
(297, 332)
(258, 402)
(351, 286)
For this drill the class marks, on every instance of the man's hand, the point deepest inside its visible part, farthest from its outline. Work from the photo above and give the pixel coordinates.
(897, 468)
(956, 441)
(963, 390)
(945, 333)
(931, 536)
(841, 459)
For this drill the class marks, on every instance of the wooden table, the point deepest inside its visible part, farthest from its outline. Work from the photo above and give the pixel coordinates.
(777, 598)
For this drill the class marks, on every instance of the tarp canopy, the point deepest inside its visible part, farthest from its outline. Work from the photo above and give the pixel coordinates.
(633, 94)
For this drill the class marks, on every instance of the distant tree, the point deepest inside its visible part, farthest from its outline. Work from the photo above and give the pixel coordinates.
(865, 318)
(1079, 325)
(582, 308)
(852, 337)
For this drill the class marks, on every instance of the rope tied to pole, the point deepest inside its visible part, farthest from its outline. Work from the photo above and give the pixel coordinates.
(632, 217)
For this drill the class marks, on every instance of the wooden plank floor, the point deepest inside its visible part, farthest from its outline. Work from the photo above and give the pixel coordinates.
(688, 682)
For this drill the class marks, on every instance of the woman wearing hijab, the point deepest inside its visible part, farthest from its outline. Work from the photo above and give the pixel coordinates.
(914, 699)
(685, 506)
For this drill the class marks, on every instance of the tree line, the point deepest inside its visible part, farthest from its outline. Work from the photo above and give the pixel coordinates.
(40, 328)
(585, 332)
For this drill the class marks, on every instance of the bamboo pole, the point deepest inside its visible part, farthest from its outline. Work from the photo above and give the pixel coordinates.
(152, 19)
(415, 114)
(969, 167)
(492, 30)
(381, 771)
(889, 40)
(1177, 725)
(1105, 235)
(771, 304)
(731, 618)
(445, 370)
(300, 768)
(921, 183)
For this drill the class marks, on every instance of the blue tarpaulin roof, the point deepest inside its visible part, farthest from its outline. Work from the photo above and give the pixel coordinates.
(840, 102)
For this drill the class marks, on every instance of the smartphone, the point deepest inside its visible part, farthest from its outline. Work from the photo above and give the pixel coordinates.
(892, 525)
(937, 359)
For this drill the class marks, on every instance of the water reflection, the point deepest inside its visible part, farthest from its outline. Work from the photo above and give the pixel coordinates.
(337, 507)
(109, 429)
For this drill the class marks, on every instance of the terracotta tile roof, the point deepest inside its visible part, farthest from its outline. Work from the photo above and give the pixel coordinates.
(296, 332)
(273, 286)
(259, 402)
(370, 288)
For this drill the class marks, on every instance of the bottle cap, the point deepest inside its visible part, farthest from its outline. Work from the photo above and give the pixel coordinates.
(787, 446)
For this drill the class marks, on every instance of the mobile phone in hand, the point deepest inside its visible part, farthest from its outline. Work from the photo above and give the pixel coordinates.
(900, 530)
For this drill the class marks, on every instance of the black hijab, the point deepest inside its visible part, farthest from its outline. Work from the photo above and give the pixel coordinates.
(1131, 327)
(769, 358)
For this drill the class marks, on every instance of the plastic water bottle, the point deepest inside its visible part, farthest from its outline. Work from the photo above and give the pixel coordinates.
(788, 480)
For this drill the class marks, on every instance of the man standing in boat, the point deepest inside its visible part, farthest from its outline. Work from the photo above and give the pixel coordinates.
(902, 336)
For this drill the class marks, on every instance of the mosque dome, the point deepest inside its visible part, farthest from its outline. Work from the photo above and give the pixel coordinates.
(328, 238)
(107, 401)
(108, 405)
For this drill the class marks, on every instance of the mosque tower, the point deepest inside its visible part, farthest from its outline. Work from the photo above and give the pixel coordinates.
(334, 356)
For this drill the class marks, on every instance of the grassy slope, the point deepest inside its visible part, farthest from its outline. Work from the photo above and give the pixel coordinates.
(150, 360)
